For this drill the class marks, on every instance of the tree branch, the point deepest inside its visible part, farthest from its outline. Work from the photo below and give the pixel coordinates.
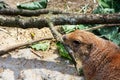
(11, 48)
(58, 37)
(41, 21)
(101, 26)
(22, 12)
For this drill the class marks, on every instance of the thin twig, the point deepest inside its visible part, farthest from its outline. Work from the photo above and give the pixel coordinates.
(36, 53)
(101, 26)
(55, 33)
(11, 48)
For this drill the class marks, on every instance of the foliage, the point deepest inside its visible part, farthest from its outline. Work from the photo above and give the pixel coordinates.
(41, 46)
(70, 28)
(62, 51)
(105, 7)
(81, 72)
(116, 39)
(33, 5)
(3, 5)
(108, 33)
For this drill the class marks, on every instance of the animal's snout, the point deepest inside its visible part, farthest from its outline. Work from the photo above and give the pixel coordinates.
(64, 37)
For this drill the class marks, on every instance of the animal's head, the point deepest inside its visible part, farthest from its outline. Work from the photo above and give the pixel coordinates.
(81, 42)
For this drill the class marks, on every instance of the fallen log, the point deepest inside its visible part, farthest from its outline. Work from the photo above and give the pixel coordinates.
(22, 12)
(41, 21)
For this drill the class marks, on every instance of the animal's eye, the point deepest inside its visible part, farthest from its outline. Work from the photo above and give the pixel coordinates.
(76, 43)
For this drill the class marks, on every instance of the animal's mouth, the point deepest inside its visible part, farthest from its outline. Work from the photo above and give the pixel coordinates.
(74, 59)
(71, 53)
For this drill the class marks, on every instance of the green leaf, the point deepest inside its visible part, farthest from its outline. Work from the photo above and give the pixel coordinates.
(33, 5)
(103, 4)
(116, 5)
(108, 32)
(81, 27)
(103, 10)
(108, 6)
(108, 10)
(81, 72)
(3, 5)
(41, 46)
(116, 39)
(62, 51)
(98, 10)
(69, 28)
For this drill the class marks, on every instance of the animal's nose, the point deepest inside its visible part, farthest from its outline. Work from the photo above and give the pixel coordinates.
(64, 37)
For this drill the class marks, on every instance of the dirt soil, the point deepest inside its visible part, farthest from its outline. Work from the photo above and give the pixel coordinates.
(24, 64)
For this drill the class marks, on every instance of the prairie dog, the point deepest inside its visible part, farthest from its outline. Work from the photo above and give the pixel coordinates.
(100, 58)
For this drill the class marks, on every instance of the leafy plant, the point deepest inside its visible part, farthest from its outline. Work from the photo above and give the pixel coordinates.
(108, 33)
(116, 39)
(68, 28)
(71, 28)
(3, 5)
(62, 51)
(81, 72)
(41, 46)
(33, 5)
(108, 6)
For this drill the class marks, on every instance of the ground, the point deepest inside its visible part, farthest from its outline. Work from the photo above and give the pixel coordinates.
(24, 64)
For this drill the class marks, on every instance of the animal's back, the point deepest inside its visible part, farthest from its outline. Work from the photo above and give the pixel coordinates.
(106, 64)
(109, 66)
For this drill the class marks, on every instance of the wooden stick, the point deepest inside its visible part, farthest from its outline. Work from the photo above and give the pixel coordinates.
(11, 48)
(58, 36)
(101, 26)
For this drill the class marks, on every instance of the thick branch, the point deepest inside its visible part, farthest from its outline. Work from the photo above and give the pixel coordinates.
(41, 21)
(23, 12)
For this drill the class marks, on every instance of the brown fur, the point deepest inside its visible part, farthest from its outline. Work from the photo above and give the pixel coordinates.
(100, 58)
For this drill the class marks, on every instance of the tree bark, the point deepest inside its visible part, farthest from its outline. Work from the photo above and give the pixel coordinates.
(22, 12)
(41, 21)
